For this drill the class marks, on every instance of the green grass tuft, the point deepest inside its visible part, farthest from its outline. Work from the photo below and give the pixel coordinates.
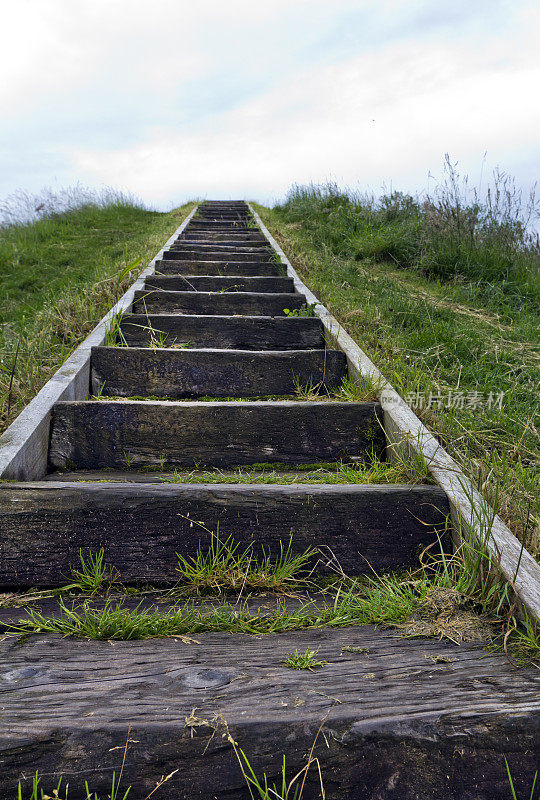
(225, 567)
(307, 660)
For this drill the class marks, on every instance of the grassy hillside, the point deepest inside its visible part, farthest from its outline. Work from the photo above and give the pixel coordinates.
(446, 307)
(58, 277)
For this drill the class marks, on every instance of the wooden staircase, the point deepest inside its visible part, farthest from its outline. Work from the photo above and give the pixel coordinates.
(401, 718)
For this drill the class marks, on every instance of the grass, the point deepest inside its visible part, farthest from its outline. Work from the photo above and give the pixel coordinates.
(341, 472)
(512, 787)
(374, 471)
(226, 567)
(458, 344)
(59, 275)
(307, 660)
(307, 310)
(388, 601)
(288, 788)
(93, 575)
(37, 791)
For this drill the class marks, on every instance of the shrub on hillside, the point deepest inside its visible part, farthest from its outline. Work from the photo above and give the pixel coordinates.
(22, 207)
(452, 233)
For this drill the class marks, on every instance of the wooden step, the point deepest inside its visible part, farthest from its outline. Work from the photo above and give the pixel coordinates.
(192, 240)
(164, 372)
(243, 210)
(141, 527)
(243, 333)
(400, 719)
(219, 213)
(198, 223)
(265, 304)
(221, 236)
(235, 244)
(224, 247)
(219, 227)
(202, 267)
(224, 204)
(225, 236)
(225, 256)
(103, 433)
(242, 219)
(221, 283)
(217, 209)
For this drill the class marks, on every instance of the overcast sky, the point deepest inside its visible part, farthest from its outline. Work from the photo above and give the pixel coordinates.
(173, 100)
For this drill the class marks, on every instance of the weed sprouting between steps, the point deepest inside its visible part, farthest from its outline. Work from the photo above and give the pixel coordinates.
(307, 660)
(442, 598)
(225, 567)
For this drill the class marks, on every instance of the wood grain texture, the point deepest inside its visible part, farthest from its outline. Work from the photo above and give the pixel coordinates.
(145, 372)
(218, 226)
(250, 303)
(398, 723)
(204, 237)
(105, 433)
(225, 256)
(244, 333)
(221, 283)
(202, 267)
(224, 249)
(141, 527)
(240, 219)
(221, 243)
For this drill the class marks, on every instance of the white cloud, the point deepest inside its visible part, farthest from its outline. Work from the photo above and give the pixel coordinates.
(171, 99)
(382, 116)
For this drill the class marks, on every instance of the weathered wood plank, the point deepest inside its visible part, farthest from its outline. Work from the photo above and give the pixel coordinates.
(227, 215)
(216, 213)
(218, 224)
(229, 256)
(414, 720)
(163, 372)
(218, 241)
(221, 283)
(142, 526)
(202, 267)
(220, 237)
(182, 433)
(225, 248)
(244, 333)
(218, 227)
(222, 303)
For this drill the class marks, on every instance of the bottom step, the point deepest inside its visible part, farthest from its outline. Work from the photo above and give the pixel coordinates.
(399, 719)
